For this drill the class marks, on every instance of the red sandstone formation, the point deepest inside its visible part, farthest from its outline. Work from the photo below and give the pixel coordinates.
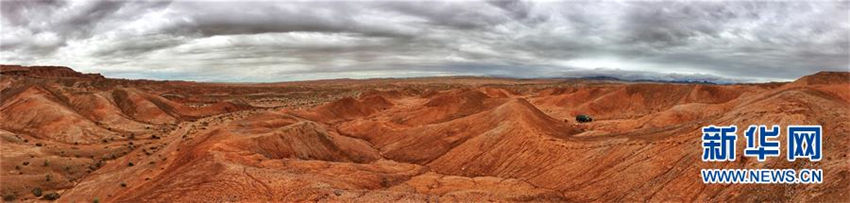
(426, 139)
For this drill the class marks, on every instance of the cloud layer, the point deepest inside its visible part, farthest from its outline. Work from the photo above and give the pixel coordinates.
(261, 41)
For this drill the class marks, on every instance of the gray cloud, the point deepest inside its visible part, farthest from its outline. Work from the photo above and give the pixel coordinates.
(276, 41)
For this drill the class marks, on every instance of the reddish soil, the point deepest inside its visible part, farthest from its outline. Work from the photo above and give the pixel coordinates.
(463, 139)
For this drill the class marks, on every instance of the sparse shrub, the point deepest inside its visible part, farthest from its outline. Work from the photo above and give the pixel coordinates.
(46, 163)
(9, 197)
(130, 164)
(385, 182)
(47, 177)
(52, 196)
(36, 191)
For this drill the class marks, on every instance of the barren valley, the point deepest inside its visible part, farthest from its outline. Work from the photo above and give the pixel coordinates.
(82, 137)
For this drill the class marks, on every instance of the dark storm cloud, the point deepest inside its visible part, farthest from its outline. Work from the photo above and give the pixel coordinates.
(666, 25)
(229, 18)
(286, 40)
(41, 27)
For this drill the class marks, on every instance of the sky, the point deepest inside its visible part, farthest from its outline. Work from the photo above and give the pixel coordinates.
(267, 41)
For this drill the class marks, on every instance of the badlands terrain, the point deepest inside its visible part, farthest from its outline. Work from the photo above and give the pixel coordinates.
(82, 137)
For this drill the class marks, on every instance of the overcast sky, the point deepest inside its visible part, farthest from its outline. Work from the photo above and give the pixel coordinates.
(264, 41)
